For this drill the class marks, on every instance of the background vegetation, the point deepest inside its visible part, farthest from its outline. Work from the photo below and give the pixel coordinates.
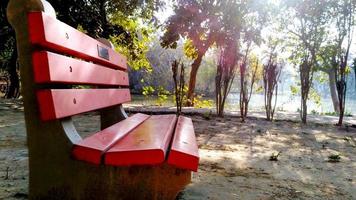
(230, 50)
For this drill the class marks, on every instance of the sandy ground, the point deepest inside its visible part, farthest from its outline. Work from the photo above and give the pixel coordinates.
(234, 158)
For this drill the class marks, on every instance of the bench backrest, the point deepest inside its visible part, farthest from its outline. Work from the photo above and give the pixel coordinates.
(63, 56)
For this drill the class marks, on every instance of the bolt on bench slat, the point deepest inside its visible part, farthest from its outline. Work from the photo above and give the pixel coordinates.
(60, 103)
(54, 68)
(145, 145)
(48, 32)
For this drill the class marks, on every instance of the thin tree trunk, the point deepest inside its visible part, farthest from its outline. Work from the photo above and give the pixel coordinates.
(332, 85)
(104, 21)
(355, 72)
(354, 65)
(193, 79)
(14, 86)
(304, 111)
(306, 75)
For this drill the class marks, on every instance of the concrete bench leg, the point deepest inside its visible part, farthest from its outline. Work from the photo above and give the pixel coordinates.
(104, 182)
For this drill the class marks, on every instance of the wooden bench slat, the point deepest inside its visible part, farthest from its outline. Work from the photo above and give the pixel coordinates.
(55, 35)
(92, 148)
(55, 68)
(184, 149)
(145, 145)
(60, 103)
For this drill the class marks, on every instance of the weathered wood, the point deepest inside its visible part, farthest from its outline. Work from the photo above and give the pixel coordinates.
(93, 147)
(54, 68)
(46, 31)
(184, 150)
(145, 145)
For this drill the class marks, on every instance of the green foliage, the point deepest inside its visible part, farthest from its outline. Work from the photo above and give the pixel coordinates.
(259, 89)
(199, 102)
(321, 78)
(141, 36)
(206, 78)
(81, 29)
(161, 92)
(294, 90)
(331, 113)
(314, 112)
(184, 95)
(209, 22)
(95, 15)
(82, 86)
(125, 23)
(148, 90)
(313, 95)
(163, 95)
(225, 24)
(347, 114)
(207, 115)
(189, 49)
(7, 35)
(348, 70)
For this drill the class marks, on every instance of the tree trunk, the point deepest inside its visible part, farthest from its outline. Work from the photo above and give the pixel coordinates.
(193, 79)
(304, 111)
(332, 85)
(14, 86)
(104, 21)
(341, 117)
(355, 72)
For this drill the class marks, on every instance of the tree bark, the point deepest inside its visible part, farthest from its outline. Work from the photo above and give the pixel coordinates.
(306, 77)
(304, 111)
(193, 79)
(14, 86)
(332, 85)
(354, 65)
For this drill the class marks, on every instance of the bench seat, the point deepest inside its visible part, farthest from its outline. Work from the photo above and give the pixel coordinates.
(142, 140)
(145, 145)
(184, 149)
(92, 148)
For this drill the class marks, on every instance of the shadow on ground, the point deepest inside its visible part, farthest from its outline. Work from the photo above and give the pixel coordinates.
(234, 158)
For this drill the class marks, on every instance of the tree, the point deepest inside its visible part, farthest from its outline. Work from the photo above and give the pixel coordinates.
(179, 83)
(249, 74)
(231, 31)
(354, 66)
(235, 32)
(206, 23)
(327, 55)
(225, 75)
(271, 73)
(345, 21)
(8, 52)
(198, 21)
(98, 18)
(308, 29)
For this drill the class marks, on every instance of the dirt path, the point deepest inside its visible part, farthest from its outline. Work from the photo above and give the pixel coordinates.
(234, 158)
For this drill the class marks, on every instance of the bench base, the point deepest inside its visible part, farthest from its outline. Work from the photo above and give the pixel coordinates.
(106, 183)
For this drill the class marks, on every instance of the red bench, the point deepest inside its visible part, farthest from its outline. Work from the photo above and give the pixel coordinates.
(136, 157)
